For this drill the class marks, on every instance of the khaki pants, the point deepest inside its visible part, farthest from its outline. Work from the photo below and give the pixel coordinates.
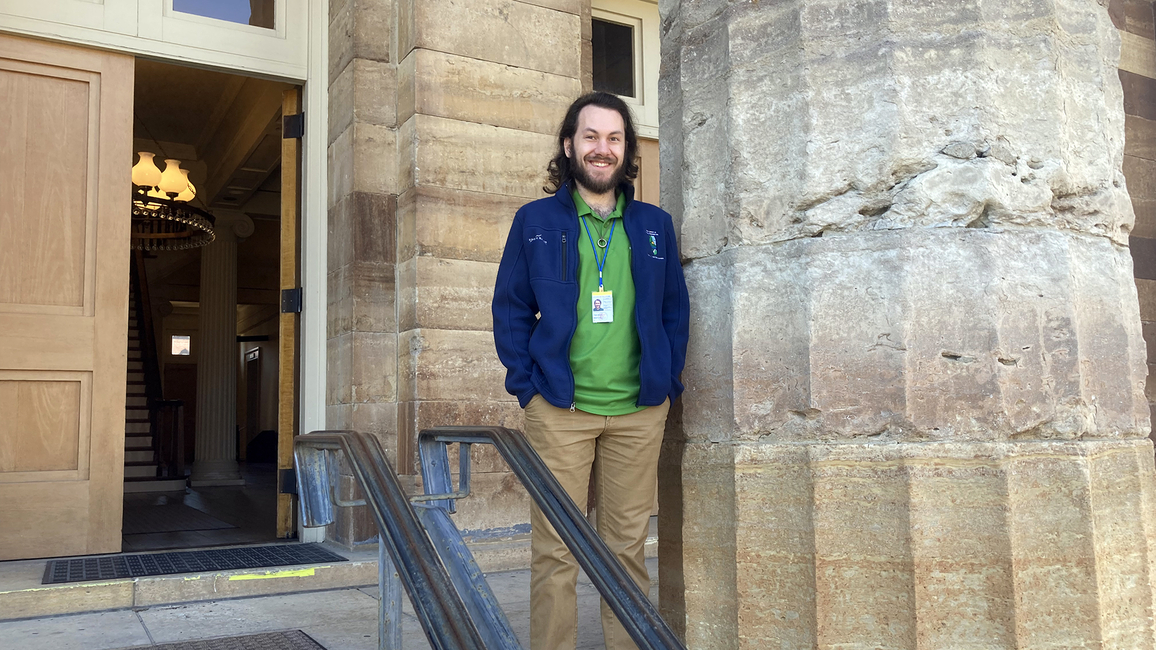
(627, 448)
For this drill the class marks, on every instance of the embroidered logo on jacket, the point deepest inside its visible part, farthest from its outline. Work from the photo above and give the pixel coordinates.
(537, 238)
(652, 241)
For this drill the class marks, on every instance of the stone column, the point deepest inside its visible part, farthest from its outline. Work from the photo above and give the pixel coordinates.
(216, 443)
(915, 411)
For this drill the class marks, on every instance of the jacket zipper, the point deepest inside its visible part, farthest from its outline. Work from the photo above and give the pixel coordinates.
(564, 269)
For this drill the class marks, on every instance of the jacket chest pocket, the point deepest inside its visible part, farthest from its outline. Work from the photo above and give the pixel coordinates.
(546, 254)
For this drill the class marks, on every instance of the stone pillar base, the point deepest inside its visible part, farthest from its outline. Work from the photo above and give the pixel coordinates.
(1040, 544)
(216, 473)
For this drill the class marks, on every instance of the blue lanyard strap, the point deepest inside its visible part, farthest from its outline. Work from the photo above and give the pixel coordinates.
(601, 263)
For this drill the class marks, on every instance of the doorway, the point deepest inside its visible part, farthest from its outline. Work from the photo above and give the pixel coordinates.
(209, 318)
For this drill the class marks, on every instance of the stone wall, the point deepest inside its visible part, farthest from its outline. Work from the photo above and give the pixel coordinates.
(440, 130)
(1134, 19)
(915, 411)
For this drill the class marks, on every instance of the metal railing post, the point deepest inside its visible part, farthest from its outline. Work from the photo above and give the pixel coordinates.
(389, 605)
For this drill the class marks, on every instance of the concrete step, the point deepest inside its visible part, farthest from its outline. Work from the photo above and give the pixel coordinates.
(137, 400)
(138, 442)
(151, 484)
(135, 366)
(22, 596)
(135, 427)
(134, 354)
(136, 376)
(138, 414)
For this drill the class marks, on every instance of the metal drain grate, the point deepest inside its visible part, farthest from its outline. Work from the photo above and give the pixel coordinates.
(292, 640)
(135, 565)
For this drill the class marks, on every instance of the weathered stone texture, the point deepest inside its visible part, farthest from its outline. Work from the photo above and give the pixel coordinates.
(445, 294)
(481, 222)
(915, 413)
(363, 159)
(449, 365)
(363, 92)
(887, 120)
(501, 31)
(471, 90)
(476, 157)
(945, 545)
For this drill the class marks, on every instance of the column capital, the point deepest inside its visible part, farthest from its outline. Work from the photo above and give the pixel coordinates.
(232, 224)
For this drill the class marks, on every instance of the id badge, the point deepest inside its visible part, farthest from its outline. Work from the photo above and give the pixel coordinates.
(602, 306)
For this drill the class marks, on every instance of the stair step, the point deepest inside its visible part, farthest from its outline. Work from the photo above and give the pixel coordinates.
(138, 442)
(135, 366)
(143, 484)
(137, 401)
(143, 470)
(141, 456)
(131, 428)
(136, 376)
(136, 414)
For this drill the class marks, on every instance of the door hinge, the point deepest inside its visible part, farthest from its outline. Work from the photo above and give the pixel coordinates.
(288, 482)
(293, 126)
(291, 300)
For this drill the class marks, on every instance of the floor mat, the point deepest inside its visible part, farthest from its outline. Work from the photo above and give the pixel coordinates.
(135, 565)
(292, 640)
(168, 518)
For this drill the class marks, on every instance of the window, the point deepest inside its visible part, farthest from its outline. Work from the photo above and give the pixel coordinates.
(613, 46)
(181, 345)
(258, 13)
(624, 48)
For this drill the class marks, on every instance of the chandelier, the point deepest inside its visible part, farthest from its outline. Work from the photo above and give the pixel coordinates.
(162, 219)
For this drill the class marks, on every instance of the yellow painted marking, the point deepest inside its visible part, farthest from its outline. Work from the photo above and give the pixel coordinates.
(295, 573)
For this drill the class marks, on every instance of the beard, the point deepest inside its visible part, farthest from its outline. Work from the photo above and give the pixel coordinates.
(582, 175)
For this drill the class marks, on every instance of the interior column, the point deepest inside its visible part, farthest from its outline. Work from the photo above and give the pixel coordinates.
(216, 441)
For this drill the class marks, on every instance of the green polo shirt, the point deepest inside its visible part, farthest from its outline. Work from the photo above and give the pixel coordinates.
(605, 356)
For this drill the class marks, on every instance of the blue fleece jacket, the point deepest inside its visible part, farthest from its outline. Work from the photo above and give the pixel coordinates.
(536, 298)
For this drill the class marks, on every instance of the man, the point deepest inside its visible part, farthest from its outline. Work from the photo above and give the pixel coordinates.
(591, 320)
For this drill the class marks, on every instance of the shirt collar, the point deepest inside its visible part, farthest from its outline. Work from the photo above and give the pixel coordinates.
(584, 209)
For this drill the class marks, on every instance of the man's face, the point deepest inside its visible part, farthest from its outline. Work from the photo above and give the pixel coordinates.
(598, 149)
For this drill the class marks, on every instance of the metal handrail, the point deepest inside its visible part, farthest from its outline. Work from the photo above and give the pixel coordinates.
(449, 619)
(437, 604)
(632, 607)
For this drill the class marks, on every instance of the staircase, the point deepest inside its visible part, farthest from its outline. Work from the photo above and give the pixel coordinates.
(140, 459)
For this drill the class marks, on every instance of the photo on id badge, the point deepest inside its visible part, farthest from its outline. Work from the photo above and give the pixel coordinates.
(602, 306)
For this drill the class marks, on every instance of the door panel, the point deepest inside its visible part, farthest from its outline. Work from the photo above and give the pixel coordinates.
(66, 116)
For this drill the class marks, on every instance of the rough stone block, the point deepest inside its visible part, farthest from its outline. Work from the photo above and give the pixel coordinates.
(373, 370)
(359, 29)
(339, 307)
(935, 545)
(1139, 137)
(449, 365)
(454, 224)
(473, 90)
(364, 92)
(502, 31)
(362, 228)
(339, 369)
(416, 416)
(363, 159)
(372, 297)
(497, 502)
(476, 157)
(445, 294)
(1146, 292)
(909, 337)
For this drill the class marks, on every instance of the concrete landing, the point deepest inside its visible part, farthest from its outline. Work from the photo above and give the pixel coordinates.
(338, 619)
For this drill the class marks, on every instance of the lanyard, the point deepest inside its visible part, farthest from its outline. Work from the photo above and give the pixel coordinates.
(601, 263)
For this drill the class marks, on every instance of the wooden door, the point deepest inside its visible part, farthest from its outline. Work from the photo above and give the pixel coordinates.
(65, 159)
(287, 327)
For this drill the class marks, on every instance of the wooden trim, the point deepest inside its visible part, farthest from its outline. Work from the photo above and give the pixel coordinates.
(287, 388)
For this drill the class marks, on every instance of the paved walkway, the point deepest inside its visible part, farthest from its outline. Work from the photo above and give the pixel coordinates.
(341, 619)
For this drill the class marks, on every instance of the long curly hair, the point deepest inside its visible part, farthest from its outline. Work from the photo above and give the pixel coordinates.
(559, 169)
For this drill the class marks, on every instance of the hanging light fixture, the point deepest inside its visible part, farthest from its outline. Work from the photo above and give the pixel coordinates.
(162, 218)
